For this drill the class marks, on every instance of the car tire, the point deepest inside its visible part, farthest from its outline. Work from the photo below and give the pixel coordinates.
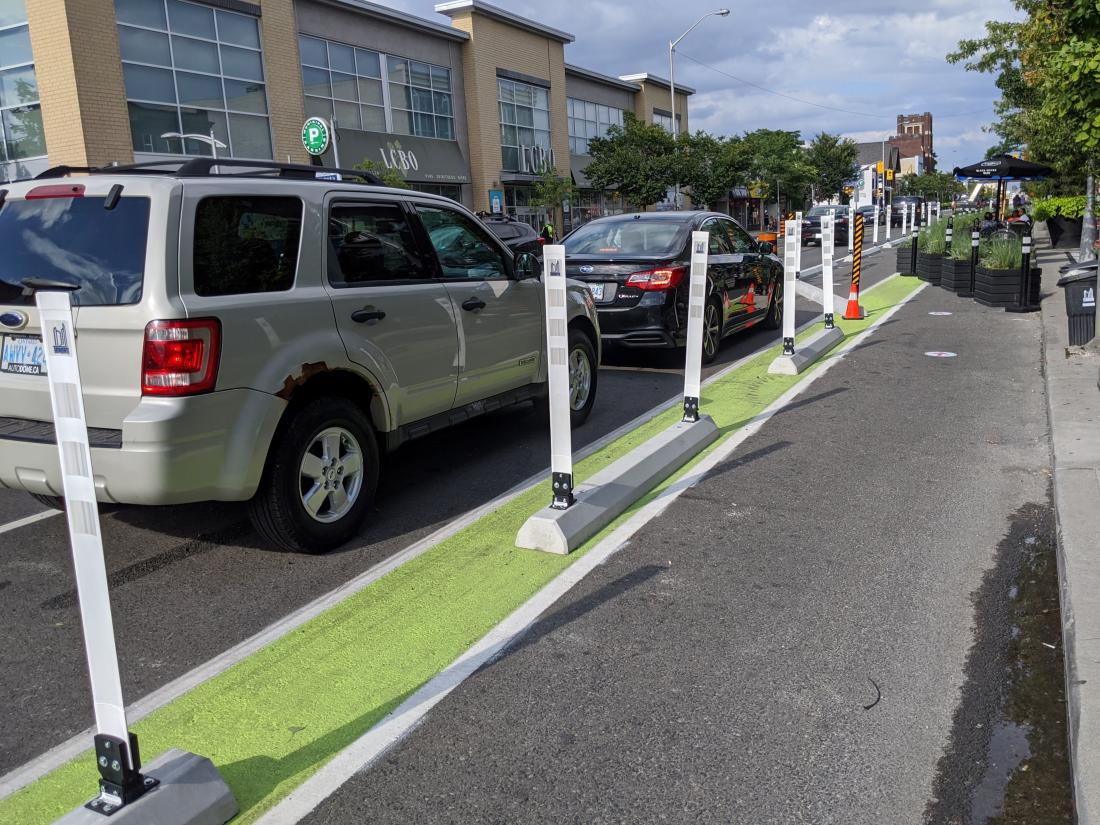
(712, 329)
(774, 318)
(52, 502)
(584, 369)
(327, 436)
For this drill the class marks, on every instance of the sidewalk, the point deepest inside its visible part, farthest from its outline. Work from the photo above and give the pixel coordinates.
(1075, 432)
(789, 641)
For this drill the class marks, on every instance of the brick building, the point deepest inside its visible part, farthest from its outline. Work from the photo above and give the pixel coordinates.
(463, 107)
(914, 140)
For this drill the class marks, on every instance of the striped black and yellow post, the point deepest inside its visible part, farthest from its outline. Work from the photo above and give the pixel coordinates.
(854, 312)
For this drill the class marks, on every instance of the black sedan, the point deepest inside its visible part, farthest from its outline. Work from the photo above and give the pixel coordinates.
(868, 213)
(637, 269)
(904, 202)
(517, 235)
(811, 224)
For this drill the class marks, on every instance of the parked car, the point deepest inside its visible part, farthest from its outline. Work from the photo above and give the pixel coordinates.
(262, 336)
(636, 267)
(904, 202)
(517, 235)
(811, 224)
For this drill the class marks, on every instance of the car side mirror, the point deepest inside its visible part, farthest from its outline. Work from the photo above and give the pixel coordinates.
(527, 266)
(765, 248)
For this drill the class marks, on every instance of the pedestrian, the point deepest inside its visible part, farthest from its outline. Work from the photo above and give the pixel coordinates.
(548, 233)
(987, 224)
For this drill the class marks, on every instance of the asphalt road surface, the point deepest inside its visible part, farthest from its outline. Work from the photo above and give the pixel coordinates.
(190, 582)
(788, 642)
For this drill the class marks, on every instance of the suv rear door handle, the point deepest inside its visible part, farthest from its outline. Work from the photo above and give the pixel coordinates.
(473, 304)
(367, 313)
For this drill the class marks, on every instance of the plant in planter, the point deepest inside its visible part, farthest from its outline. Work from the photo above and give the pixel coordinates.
(905, 257)
(930, 248)
(998, 280)
(955, 268)
(1063, 217)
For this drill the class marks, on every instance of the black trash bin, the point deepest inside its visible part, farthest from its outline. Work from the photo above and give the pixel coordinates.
(1080, 289)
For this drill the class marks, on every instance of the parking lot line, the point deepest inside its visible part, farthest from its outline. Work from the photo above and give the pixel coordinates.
(477, 575)
(23, 522)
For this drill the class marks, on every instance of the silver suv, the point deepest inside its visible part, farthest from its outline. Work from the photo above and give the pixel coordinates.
(249, 332)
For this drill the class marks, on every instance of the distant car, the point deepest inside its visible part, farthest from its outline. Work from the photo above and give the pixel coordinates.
(811, 224)
(903, 202)
(517, 236)
(636, 267)
(868, 213)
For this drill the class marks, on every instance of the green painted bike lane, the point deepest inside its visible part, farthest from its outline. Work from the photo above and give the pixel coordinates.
(269, 722)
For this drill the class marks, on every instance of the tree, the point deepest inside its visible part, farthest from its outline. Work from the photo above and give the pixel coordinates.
(1048, 73)
(930, 185)
(833, 159)
(550, 190)
(774, 158)
(707, 166)
(638, 159)
(390, 177)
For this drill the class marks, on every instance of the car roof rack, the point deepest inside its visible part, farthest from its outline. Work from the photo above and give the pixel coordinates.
(205, 167)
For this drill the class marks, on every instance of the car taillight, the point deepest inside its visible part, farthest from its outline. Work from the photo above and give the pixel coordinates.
(58, 190)
(180, 357)
(662, 278)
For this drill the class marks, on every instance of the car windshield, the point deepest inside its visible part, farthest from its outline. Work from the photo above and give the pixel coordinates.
(74, 241)
(617, 237)
(818, 211)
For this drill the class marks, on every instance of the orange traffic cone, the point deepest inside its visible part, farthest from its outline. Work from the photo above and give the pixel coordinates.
(854, 312)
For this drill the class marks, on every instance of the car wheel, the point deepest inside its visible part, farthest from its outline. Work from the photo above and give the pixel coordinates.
(712, 330)
(774, 318)
(583, 376)
(320, 478)
(53, 502)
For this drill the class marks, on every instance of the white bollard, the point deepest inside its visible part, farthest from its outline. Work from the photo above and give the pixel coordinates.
(889, 221)
(697, 299)
(874, 238)
(904, 219)
(798, 246)
(851, 224)
(188, 787)
(557, 373)
(827, 238)
(792, 249)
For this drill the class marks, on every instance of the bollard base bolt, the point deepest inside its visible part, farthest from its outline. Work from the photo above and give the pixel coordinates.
(691, 409)
(563, 491)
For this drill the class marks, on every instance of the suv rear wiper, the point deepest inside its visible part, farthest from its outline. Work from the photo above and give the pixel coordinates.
(32, 285)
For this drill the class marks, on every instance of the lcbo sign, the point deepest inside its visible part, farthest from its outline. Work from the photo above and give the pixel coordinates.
(394, 157)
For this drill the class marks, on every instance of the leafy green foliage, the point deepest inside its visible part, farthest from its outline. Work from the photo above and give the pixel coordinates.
(390, 177)
(1000, 253)
(772, 158)
(1072, 206)
(930, 185)
(961, 227)
(638, 159)
(833, 159)
(550, 190)
(707, 166)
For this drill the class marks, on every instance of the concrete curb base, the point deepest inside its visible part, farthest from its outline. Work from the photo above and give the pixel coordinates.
(191, 792)
(807, 353)
(608, 493)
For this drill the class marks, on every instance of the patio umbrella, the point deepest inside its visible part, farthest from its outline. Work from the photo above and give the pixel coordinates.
(1001, 168)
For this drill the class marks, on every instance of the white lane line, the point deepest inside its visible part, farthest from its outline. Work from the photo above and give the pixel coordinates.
(372, 745)
(23, 522)
(68, 750)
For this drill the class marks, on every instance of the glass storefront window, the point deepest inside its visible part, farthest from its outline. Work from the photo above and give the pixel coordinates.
(664, 121)
(524, 126)
(345, 83)
(192, 68)
(22, 139)
(588, 120)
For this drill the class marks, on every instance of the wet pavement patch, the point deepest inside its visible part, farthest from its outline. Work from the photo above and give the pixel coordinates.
(1007, 762)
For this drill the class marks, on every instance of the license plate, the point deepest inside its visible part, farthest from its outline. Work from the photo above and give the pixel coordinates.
(597, 291)
(23, 355)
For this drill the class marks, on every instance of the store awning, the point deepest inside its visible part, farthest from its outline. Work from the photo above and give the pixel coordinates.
(420, 160)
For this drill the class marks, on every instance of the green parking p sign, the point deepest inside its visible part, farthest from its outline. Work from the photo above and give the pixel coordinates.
(315, 136)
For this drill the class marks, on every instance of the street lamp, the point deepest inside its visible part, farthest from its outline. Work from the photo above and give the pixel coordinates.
(215, 144)
(672, 74)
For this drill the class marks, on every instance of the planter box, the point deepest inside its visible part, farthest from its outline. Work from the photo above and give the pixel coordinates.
(955, 275)
(1065, 232)
(1001, 287)
(905, 262)
(928, 267)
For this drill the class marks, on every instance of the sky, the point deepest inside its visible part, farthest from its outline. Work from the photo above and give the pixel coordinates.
(874, 59)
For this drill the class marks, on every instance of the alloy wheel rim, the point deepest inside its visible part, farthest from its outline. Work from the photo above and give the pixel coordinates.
(331, 475)
(580, 379)
(710, 329)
